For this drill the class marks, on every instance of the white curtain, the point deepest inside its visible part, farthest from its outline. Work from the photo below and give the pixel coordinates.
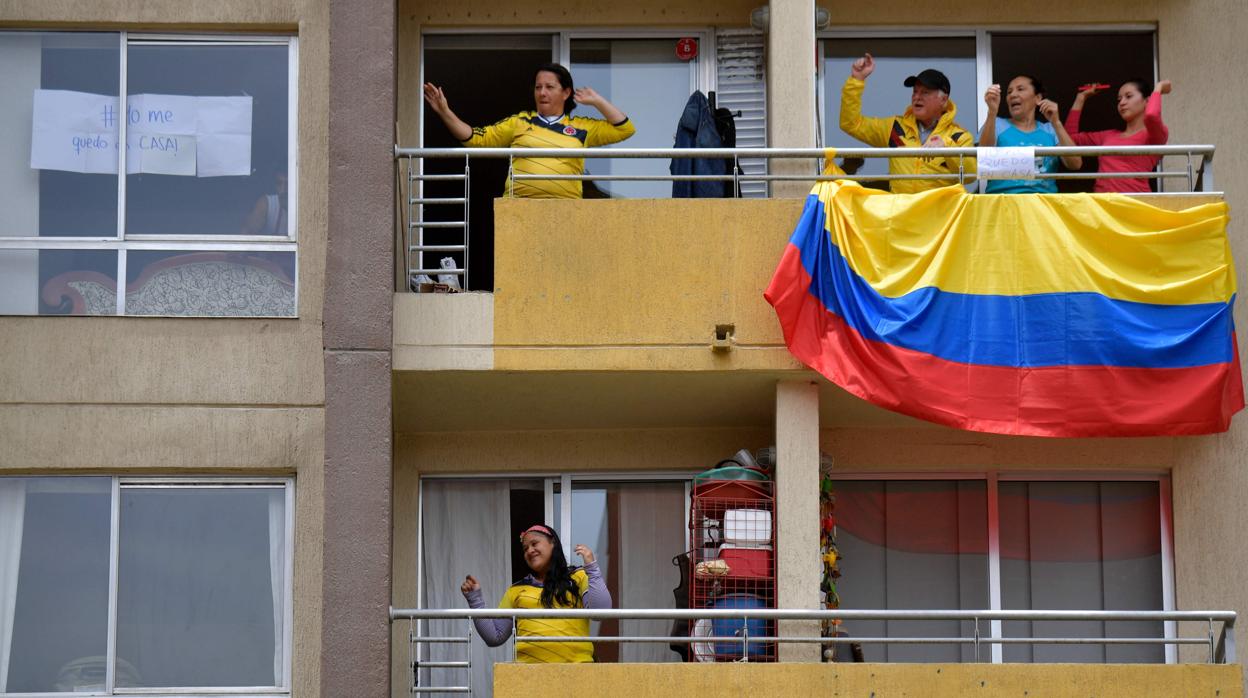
(277, 577)
(467, 530)
(12, 516)
(652, 532)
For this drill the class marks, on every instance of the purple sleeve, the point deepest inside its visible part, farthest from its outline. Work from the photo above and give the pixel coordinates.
(597, 595)
(494, 631)
(1158, 134)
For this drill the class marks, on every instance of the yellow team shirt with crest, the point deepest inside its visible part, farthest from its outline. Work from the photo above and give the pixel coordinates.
(523, 594)
(528, 130)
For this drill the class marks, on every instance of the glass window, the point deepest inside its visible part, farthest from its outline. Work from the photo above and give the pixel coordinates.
(201, 585)
(58, 282)
(471, 527)
(635, 530)
(58, 150)
(649, 83)
(207, 284)
(1081, 546)
(207, 154)
(1062, 546)
(886, 95)
(54, 535)
(207, 140)
(912, 545)
(1063, 61)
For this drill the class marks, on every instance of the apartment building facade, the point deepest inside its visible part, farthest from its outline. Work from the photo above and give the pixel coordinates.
(333, 444)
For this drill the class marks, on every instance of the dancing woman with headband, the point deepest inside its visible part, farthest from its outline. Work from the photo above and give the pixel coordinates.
(550, 584)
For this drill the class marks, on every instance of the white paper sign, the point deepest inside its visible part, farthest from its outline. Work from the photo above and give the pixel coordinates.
(74, 131)
(223, 126)
(165, 134)
(1006, 163)
(161, 153)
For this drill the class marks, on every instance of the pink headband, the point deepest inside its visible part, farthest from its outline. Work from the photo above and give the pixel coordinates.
(539, 528)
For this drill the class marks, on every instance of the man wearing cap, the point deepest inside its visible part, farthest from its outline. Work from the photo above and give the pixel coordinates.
(927, 123)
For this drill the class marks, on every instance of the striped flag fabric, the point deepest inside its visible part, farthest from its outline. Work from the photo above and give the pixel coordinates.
(1063, 315)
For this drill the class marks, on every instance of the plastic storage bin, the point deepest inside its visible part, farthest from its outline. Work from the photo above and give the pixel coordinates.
(729, 627)
(747, 562)
(747, 526)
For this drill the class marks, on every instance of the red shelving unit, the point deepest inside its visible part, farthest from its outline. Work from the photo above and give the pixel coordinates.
(733, 534)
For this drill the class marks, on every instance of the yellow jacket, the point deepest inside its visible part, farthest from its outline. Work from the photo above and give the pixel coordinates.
(903, 132)
(526, 130)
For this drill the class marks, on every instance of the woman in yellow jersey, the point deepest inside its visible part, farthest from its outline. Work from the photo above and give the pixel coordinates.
(550, 125)
(552, 584)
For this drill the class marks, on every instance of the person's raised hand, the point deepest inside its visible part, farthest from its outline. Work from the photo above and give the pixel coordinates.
(1090, 90)
(435, 98)
(863, 67)
(1048, 109)
(1163, 87)
(470, 585)
(588, 96)
(992, 98)
(585, 553)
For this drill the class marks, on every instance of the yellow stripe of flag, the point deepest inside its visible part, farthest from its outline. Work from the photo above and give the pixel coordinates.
(1022, 244)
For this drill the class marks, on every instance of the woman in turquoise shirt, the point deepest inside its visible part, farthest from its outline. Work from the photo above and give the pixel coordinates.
(1024, 98)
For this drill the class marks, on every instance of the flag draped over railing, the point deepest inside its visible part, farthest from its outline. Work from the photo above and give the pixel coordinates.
(1054, 315)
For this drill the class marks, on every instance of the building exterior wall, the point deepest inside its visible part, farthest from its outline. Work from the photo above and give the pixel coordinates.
(546, 317)
(222, 397)
(194, 397)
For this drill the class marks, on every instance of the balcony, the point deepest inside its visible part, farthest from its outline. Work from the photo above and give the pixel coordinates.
(647, 300)
(724, 665)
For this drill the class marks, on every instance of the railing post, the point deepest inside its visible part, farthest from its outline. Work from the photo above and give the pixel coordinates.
(976, 622)
(745, 638)
(1213, 645)
(736, 180)
(511, 174)
(467, 207)
(1228, 642)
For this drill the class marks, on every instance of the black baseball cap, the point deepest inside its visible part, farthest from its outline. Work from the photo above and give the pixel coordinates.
(930, 78)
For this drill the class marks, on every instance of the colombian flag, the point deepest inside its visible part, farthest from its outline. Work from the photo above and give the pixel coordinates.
(1048, 315)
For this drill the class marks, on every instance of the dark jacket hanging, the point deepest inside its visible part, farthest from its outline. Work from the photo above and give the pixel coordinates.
(697, 130)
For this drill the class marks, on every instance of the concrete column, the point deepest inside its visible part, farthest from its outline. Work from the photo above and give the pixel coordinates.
(797, 507)
(791, 89)
(355, 626)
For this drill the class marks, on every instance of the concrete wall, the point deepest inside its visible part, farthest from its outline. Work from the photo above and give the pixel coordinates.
(878, 681)
(190, 396)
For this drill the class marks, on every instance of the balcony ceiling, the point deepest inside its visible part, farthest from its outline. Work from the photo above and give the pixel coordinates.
(514, 401)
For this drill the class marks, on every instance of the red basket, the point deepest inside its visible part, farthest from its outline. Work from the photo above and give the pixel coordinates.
(747, 562)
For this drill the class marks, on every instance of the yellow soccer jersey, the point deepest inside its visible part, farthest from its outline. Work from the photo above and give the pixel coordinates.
(524, 594)
(527, 130)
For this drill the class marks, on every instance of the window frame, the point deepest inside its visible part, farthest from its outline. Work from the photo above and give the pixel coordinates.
(117, 484)
(703, 76)
(993, 477)
(122, 242)
(982, 33)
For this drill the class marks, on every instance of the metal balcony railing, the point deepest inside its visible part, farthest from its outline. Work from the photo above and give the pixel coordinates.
(414, 207)
(1219, 636)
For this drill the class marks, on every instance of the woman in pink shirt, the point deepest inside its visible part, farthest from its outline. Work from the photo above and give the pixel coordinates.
(1139, 105)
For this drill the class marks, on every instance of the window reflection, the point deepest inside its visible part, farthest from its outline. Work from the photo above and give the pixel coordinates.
(54, 535)
(200, 586)
(208, 140)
